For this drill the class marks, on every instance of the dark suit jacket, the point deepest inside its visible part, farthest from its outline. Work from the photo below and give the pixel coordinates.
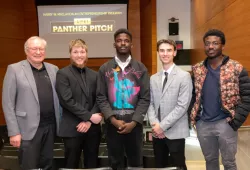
(78, 102)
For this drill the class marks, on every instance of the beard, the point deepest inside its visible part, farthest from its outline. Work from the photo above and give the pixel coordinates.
(218, 54)
(79, 65)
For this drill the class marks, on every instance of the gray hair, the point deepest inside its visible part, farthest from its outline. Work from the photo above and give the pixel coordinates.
(26, 44)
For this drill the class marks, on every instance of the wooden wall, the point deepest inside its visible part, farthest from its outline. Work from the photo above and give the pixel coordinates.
(20, 23)
(148, 35)
(11, 37)
(230, 16)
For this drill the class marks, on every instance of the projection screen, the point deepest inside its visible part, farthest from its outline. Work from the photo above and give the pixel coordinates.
(95, 24)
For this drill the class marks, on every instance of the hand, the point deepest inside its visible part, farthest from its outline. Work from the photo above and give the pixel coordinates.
(119, 124)
(233, 125)
(157, 129)
(96, 118)
(228, 119)
(16, 140)
(83, 127)
(128, 127)
(160, 136)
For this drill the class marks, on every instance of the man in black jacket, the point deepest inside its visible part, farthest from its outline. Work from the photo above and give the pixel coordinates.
(123, 96)
(221, 102)
(79, 127)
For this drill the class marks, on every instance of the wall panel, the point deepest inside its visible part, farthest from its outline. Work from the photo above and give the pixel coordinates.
(148, 35)
(11, 38)
(134, 27)
(11, 19)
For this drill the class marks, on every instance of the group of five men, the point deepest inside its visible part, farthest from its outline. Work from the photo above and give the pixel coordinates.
(218, 101)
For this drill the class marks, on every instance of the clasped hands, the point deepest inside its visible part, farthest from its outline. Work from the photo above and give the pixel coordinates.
(157, 131)
(123, 127)
(83, 127)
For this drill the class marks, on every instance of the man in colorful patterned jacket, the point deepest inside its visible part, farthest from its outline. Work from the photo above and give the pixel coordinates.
(123, 96)
(221, 102)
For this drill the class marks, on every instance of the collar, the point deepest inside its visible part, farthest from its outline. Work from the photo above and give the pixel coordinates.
(114, 63)
(35, 69)
(169, 70)
(120, 62)
(80, 70)
(225, 60)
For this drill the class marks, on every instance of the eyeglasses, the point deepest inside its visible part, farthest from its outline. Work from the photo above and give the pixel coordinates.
(35, 49)
(214, 43)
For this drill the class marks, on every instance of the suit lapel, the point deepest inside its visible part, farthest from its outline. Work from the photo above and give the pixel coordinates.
(88, 77)
(79, 79)
(50, 73)
(159, 81)
(30, 77)
(170, 79)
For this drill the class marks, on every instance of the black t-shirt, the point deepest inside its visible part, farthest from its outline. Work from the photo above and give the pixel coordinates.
(45, 96)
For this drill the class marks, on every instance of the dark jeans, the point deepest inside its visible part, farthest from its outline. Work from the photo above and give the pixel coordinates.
(88, 143)
(38, 152)
(130, 143)
(169, 153)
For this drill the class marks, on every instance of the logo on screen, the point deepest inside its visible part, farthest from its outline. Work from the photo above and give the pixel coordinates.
(82, 21)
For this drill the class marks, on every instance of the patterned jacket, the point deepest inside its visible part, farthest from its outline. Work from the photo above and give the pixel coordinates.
(234, 91)
(123, 92)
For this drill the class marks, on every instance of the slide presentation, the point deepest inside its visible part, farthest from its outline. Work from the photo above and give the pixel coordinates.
(95, 24)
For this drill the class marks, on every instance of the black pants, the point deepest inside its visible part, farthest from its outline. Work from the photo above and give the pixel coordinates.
(88, 142)
(169, 153)
(130, 143)
(38, 152)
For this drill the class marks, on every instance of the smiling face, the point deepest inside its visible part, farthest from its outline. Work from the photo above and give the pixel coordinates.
(35, 51)
(166, 53)
(78, 56)
(213, 47)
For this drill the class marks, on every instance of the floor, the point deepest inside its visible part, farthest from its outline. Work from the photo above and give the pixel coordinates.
(195, 159)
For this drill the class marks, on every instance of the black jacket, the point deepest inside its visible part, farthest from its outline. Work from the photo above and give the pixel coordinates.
(77, 100)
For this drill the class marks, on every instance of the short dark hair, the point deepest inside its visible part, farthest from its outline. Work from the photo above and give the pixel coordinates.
(165, 41)
(217, 33)
(122, 30)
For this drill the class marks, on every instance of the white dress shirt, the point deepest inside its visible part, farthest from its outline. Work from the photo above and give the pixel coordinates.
(168, 71)
(123, 64)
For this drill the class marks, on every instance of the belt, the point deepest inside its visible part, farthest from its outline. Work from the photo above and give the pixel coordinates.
(125, 115)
